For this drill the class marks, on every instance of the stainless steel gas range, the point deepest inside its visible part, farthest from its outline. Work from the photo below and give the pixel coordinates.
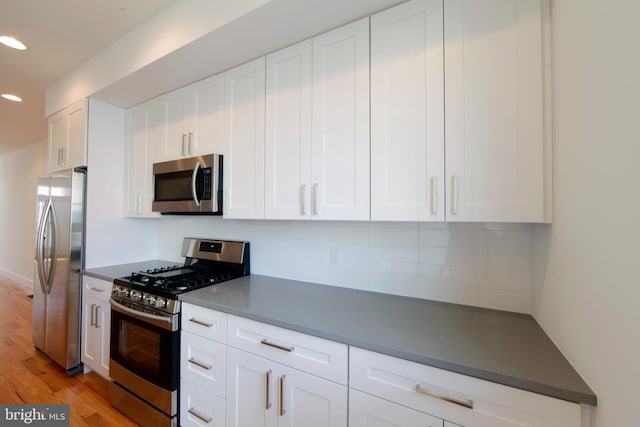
(145, 327)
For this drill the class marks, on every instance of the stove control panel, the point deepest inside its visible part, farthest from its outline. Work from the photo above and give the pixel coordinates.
(142, 300)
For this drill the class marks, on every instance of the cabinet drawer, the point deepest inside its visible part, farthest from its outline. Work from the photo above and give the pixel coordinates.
(204, 322)
(203, 362)
(199, 407)
(97, 288)
(454, 397)
(317, 356)
(366, 410)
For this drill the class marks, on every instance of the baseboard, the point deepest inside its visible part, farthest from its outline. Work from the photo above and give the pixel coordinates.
(21, 280)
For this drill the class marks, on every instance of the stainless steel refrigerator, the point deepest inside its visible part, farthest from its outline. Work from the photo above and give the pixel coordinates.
(58, 262)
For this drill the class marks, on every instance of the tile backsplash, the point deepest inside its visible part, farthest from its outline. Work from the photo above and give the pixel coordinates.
(480, 264)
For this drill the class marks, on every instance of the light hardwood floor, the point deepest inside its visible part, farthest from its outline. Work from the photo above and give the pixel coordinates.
(29, 376)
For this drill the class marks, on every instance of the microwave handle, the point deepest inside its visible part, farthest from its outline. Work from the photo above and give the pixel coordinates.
(194, 178)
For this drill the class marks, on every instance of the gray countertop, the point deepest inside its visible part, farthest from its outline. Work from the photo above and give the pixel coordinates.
(503, 347)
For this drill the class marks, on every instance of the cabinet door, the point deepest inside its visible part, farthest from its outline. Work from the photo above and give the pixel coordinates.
(340, 128)
(288, 133)
(177, 124)
(76, 153)
(67, 137)
(199, 407)
(369, 411)
(493, 110)
(90, 334)
(208, 117)
(144, 134)
(308, 401)
(244, 138)
(252, 399)
(103, 324)
(407, 113)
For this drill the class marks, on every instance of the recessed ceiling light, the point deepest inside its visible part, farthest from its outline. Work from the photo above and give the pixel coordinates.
(11, 97)
(11, 42)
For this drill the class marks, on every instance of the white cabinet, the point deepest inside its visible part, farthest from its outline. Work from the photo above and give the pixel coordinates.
(203, 367)
(469, 146)
(340, 123)
(67, 138)
(244, 132)
(288, 133)
(144, 135)
(193, 120)
(96, 318)
(280, 377)
(265, 393)
(407, 113)
(494, 110)
(457, 399)
(317, 127)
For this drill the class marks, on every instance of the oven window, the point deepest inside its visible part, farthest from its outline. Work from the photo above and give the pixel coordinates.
(148, 351)
(140, 347)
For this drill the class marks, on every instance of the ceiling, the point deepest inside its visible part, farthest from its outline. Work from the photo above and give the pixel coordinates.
(60, 36)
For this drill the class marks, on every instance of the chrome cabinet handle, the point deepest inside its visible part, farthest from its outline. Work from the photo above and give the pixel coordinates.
(303, 199)
(267, 403)
(93, 322)
(464, 403)
(434, 195)
(282, 410)
(200, 364)
(93, 288)
(200, 322)
(184, 144)
(198, 415)
(278, 346)
(454, 195)
(98, 326)
(314, 200)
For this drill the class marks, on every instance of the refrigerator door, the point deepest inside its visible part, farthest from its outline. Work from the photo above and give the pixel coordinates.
(58, 265)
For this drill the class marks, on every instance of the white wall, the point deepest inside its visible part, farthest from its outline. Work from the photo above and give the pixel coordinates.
(486, 265)
(19, 171)
(586, 281)
(110, 238)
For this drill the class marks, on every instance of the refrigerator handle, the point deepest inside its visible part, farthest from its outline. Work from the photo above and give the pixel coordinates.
(49, 245)
(53, 247)
(40, 245)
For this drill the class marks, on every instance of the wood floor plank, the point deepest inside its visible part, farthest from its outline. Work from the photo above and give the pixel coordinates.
(29, 376)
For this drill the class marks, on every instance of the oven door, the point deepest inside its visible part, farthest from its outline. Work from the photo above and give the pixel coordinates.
(146, 345)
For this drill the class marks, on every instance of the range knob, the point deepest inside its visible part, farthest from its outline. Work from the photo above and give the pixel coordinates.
(135, 295)
(161, 302)
(150, 300)
(123, 292)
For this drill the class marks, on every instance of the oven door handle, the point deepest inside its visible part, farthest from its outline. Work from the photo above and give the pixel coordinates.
(119, 307)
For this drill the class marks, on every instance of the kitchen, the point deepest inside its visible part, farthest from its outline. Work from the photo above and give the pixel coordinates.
(580, 267)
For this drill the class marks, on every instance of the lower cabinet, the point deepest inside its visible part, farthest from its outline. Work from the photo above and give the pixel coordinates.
(261, 392)
(96, 325)
(237, 372)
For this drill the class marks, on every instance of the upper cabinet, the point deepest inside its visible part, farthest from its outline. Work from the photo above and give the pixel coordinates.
(193, 120)
(317, 127)
(67, 140)
(407, 113)
(144, 134)
(494, 110)
(468, 146)
(244, 127)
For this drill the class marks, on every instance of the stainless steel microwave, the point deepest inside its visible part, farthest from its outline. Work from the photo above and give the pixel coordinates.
(188, 185)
